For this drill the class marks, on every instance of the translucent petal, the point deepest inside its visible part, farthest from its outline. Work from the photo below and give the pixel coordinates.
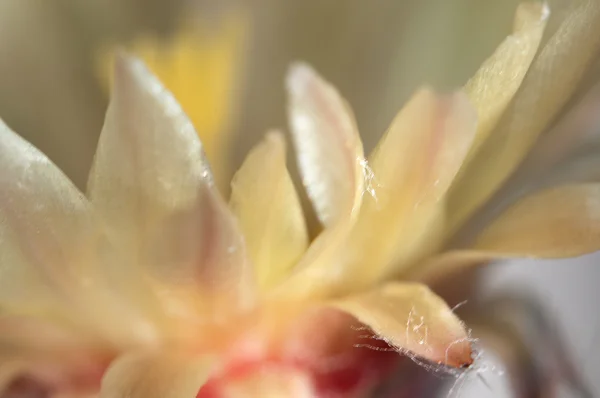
(566, 154)
(155, 375)
(436, 268)
(328, 147)
(413, 319)
(152, 185)
(266, 204)
(46, 227)
(556, 223)
(559, 222)
(551, 80)
(413, 166)
(496, 82)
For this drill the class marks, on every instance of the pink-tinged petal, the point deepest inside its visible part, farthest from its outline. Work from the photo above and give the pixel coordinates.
(559, 222)
(551, 80)
(155, 375)
(266, 204)
(494, 85)
(55, 355)
(328, 147)
(413, 166)
(412, 318)
(153, 186)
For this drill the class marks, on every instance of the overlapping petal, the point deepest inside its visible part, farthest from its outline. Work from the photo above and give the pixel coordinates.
(559, 222)
(152, 185)
(496, 82)
(551, 80)
(328, 146)
(413, 319)
(330, 156)
(555, 223)
(265, 202)
(413, 166)
(155, 375)
(46, 227)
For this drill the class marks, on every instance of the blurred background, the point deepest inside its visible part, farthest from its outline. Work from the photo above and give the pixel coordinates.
(226, 60)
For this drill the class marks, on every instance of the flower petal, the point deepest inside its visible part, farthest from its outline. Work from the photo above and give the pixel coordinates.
(551, 80)
(412, 318)
(328, 147)
(555, 223)
(559, 222)
(413, 166)
(153, 186)
(46, 226)
(493, 86)
(267, 206)
(155, 375)
(438, 267)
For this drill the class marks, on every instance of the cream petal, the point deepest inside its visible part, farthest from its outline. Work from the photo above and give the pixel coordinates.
(550, 81)
(265, 202)
(46, 227)
(493, 86)
(412, 318)
(413, 166)
(328, 147)
(556, 223)
(153, 186)
(436, 268)
(559, 222)
(155, 375)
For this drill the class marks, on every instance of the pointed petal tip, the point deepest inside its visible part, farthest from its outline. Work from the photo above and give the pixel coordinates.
(459, 355)
(276, 137)
(298, 77)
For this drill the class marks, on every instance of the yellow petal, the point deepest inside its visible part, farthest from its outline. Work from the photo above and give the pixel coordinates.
(496, 82)
(560, 222)
(413, 166)
(556, 223)
(155, 375)
(413, 319)
(436, 268)
(551, 80)
(328, 147)
(266, 204)
(153, 186)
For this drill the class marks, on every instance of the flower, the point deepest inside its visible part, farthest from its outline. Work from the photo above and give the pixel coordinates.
(151, 285)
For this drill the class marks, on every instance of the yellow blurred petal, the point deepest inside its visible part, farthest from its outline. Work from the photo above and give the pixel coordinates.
(560, 222)
(412, 318)
(328, 147)
(496, 82)
(266, 204)
(271, 382)
(153, 186)
(413, 166)
(550, 81)
(155, 375)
